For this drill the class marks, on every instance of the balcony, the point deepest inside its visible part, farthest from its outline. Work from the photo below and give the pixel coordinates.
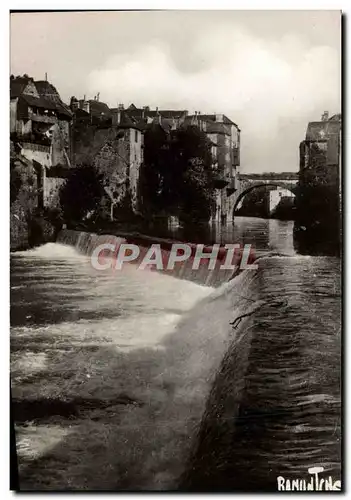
(220, 181)
(225, 180)
(51, 119)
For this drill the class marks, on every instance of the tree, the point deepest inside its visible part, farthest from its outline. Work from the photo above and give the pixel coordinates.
(15, 183)
(152, 172)
(318, 216)
(82, 193)
(178, 175)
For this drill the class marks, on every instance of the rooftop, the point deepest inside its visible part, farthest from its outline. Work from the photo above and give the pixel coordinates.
(98, 108)
(49, 98)
(17, 85)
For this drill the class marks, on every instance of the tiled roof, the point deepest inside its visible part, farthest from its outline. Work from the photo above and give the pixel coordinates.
(45, 88)
(43, 102)
(39, 102)
(167, 113)
(163, 124)
(127, 122)
(47, 91)
(135, 113)
(98, 108)
(17, 86)
(212, 118)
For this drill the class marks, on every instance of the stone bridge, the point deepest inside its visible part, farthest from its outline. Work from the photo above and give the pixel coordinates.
(247, 182)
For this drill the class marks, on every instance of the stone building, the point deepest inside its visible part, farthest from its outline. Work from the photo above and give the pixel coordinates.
(40, 128)
(97, 139)
(318, 199)
(322, 144)
(110, 140)
(224, 135)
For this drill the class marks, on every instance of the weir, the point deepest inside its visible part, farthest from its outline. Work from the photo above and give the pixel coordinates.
(246, 390)
(86, 243)
(218, 324)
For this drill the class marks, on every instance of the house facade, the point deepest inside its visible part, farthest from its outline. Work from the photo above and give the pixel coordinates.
(40, 128)
(318, 199)
(113, 143)
(113, 139)
(223, 134)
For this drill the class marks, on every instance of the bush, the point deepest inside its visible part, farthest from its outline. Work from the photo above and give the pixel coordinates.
(82, 193)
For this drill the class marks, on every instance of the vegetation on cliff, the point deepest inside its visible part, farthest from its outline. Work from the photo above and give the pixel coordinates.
(177, 176)
(318, 221)
(82, 193)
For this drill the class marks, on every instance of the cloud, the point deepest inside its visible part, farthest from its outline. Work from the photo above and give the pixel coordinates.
(258, 83)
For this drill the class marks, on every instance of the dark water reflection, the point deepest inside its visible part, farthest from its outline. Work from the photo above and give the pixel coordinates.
(262, 234)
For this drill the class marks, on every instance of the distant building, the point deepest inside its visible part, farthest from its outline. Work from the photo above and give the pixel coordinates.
(110, 140)
(318, 197)
(40, 127)
(92, 116)
(279, 195)
(223, 133)
(93, 111)
(322, 144)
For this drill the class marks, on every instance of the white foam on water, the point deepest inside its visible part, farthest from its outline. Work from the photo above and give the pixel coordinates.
(131, 308)
(50, 251)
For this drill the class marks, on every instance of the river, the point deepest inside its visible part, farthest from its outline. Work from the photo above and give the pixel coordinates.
(65, 313)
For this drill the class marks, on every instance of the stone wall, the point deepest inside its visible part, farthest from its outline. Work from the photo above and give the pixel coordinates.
(116, 154)
(52, 191)
(60, 142)
(25, 202)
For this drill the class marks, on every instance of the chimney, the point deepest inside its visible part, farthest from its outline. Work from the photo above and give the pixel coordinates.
(145, 111)
(116, 117)
(120, 106)
(219, 118)
(74, 104)
(98, 96)
(85, 105)
(325, 116)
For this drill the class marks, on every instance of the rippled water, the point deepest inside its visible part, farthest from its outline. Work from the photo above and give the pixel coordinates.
(290, 410)
(289, 418)
(54, 288)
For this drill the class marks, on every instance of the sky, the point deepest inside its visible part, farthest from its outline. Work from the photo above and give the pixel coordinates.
(271, 72)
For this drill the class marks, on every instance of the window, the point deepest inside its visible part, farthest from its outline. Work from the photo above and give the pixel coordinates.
(136, 136)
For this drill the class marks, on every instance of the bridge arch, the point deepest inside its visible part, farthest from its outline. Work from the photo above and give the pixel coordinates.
(290, 187)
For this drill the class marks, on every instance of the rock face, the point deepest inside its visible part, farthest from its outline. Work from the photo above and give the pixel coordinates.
(28, 225)
(24, 187)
